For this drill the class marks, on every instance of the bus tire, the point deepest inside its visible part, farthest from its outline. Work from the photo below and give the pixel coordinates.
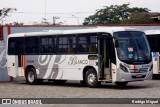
(31, 77)
(121, 84)
(91, 79)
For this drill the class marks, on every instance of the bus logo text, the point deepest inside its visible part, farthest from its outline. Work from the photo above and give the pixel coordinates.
(73, 60)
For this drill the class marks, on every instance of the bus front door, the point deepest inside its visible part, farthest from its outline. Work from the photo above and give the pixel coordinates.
(104, 59)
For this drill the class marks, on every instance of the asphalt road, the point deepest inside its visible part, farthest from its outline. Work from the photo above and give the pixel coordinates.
(73, 89)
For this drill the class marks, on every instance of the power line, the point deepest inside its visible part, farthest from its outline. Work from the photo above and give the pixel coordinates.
(55, 13)
(50, 13)
(61, 15)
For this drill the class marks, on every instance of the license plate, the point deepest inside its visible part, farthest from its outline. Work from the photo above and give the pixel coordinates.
(139, 75)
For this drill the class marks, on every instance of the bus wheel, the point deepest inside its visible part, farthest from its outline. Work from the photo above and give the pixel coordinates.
(91, 79)
(31, 77)
(121, 84)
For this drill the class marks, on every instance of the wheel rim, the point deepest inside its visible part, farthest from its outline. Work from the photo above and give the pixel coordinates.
(92, 78)
(31, 76)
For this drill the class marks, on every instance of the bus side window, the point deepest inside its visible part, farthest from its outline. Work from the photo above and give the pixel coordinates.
(47, 44)
(93, 43)
(87, 43)
(52, 45)
(67, 44)
(82, 43)
(158, 44)
(152, 42)
(71, 44)
(31, 45)
(92, 48)
(80, 48)
(11, 46)
(20, 49)
(62, 45)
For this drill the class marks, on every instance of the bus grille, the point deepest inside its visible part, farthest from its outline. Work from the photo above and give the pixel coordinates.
(134, 77)
(139, 70)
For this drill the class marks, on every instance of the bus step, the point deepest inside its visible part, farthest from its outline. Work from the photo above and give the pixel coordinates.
(106, 81)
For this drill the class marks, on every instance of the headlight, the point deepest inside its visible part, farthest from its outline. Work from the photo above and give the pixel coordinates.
(123, 68)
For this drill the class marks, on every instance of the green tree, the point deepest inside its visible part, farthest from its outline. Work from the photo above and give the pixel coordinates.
(44, 21)
(4, 12)
(114, 14)
(139, 18)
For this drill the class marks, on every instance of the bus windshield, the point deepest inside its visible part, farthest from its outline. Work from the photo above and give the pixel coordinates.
(132, 46)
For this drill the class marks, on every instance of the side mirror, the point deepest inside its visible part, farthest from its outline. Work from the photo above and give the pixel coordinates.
(116, 43)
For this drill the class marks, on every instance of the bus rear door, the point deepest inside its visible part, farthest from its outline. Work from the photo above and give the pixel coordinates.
(16, 47)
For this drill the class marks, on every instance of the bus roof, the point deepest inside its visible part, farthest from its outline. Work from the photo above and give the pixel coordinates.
(110, 30)
(152, 32)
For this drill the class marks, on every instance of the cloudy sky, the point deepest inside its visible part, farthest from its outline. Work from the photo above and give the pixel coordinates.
(70, 12)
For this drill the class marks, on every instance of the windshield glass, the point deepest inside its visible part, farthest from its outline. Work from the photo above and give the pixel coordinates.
(132, 46)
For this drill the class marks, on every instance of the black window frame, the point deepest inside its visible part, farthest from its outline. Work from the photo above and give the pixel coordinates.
(88, 43)
(32, 49)
(52, 47)
(19, 46)
(10, 50)
(154, 47)
(34, 42)
(69, 49)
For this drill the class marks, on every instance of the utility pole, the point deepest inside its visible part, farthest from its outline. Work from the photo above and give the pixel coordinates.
(76, 18)
(54, 19)
(45, 9)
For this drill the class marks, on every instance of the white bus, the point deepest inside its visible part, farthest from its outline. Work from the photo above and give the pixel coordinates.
(153, 37)
(92, 56)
